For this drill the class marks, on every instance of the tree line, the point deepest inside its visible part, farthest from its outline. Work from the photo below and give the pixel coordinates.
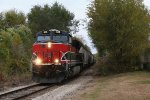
(120, 30)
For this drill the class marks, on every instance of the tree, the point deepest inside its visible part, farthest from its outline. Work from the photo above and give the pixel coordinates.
(54, 17)
(11, 18)
(120, 28)
(14, 18)
(15, 44)
(1, 21)
(15, 50)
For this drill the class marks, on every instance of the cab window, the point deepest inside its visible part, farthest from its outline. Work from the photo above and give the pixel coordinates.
(60, 38)
(43, 38)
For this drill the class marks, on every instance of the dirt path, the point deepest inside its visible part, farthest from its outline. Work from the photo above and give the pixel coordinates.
(127, 86)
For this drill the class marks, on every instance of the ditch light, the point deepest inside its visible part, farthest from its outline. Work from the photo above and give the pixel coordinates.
(38, 61)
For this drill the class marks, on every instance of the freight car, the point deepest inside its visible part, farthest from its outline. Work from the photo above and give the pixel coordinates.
(58, 56)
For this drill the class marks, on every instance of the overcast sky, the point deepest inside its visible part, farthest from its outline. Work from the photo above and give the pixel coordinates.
(78, 7)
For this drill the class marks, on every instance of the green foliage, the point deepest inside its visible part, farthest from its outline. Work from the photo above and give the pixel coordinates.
(120, 29)
(2, 22)
(13, 18)
(54, 17)
(15, 48)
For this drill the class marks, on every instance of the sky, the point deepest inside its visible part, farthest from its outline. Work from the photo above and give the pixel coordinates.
(78, 7)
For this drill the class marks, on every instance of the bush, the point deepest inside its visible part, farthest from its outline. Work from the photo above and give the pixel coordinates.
(15, 50)
(106, 67)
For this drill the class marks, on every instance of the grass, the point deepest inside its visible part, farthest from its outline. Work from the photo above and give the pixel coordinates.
(145, 82)
(126, 86)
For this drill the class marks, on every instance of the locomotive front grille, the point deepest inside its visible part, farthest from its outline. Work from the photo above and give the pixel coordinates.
(47, 57)
(50, 55)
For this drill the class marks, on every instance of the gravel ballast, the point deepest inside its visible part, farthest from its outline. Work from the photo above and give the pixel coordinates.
(66, 90)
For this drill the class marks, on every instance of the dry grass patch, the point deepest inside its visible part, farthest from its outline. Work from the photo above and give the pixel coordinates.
(127, 86)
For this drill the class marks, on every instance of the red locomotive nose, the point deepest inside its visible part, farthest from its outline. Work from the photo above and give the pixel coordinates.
(50, 53)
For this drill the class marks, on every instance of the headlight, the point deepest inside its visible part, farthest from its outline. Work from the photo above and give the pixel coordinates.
(38, 61)
(49, 44)
(56, 61)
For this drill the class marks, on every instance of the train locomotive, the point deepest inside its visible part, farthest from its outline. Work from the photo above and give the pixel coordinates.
(58, 56)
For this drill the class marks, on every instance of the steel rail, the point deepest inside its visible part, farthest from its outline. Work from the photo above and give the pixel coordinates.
(23, 92)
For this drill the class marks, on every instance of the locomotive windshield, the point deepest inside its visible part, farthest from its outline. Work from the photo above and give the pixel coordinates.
(60, 38)
(43, 38)
(54, 38)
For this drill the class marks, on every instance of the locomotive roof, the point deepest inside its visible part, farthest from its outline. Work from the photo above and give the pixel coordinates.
(53, 31)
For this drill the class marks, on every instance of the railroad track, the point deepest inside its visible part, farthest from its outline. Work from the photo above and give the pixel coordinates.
(24, 92)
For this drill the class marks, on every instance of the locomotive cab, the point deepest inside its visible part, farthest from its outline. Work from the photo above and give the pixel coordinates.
(47, 55)
(49, 47)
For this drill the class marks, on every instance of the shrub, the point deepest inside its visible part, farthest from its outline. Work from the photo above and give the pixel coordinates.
(107, 67)
(15, 48)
